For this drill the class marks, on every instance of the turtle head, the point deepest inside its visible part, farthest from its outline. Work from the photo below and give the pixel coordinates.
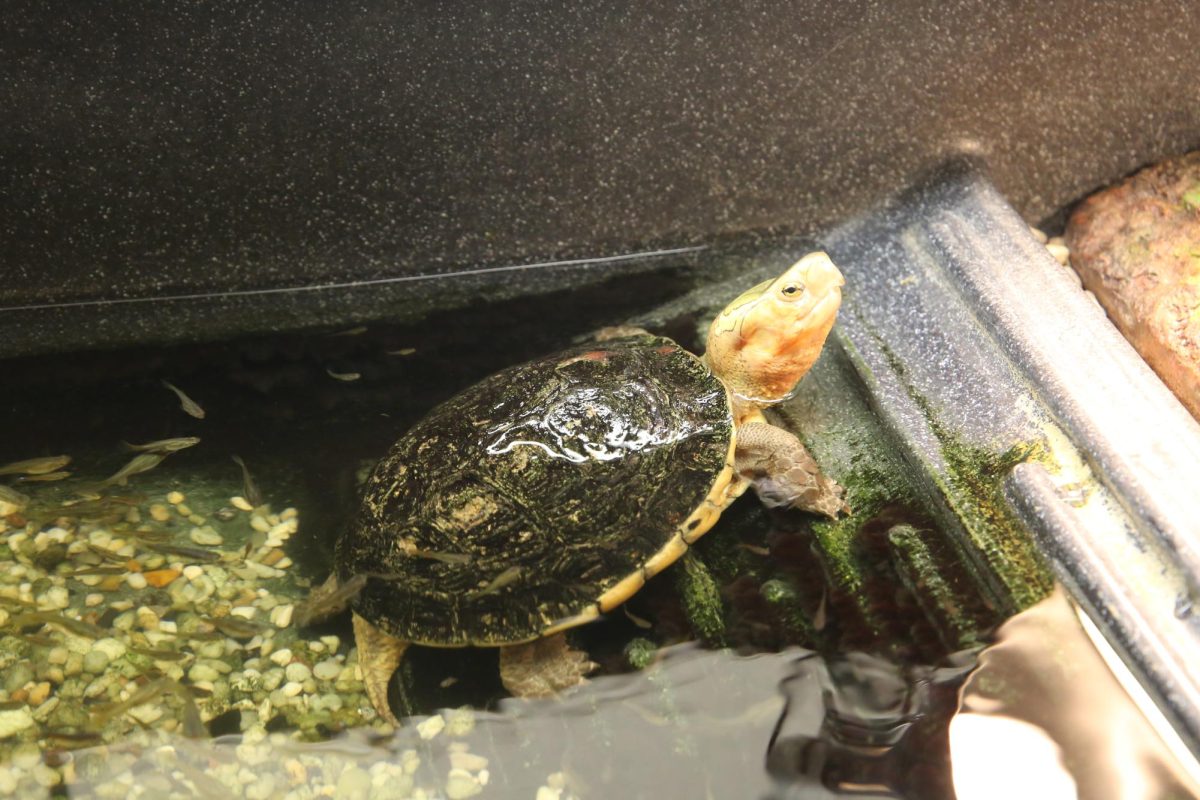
(761, 345)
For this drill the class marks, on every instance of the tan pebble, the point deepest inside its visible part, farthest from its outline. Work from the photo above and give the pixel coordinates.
(546, 793)
(283, 563)
(192, 572)
(281, 616)
(431, 727)
(245, 612)
(133, 516)
(241, 503)
(288, 513)
(272, 557)
(296, 772)
(197, 519)
(175, 498)
(94, 599)
(159, 578)
(121, 605)
(482, 777)
(557, 780)
(1059, 250)
(259, 523)
(1038, 234)
(291, 689)
(110, 583)
(39, 693)
(282, 656)
(468, 761)
(332, 642)
(183, 509)
(159, 512)
(136, 580)
(146, 618)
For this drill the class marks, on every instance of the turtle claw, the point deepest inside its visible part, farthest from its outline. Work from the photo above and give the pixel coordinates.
(378, 656)
(543, 667)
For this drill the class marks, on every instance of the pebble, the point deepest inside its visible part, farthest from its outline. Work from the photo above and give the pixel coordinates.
(354, 782)
(245, 612)
(14, 721)
(327, 670)
(297, 672)
(461, 784)
(147, 620)
(206, 536)
(260, 523)
(241, 503)
(57, 655)
(39, 693)
(136, 580)
(193, 571)
(431, 727)
(282, 656)
(175, 498)
(94, 599)
(56, 597)
(291, 689)
(272, 678)
(281, 616)
(159, 512)
(203, 672)
(468, 761)
(113, 648)
(95, 662)
(183, 510)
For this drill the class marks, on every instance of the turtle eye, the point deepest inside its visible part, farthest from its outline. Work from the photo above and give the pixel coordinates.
(792, 290)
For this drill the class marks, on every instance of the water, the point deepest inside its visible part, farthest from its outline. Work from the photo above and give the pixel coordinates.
(830, 668)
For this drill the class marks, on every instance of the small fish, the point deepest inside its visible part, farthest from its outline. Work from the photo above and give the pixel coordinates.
(403, 351)
(189, 406)
(757, 549)
(821, 616)
(500, 581)
(159, 655)
(194, 553)
(164, 446)
(343, 376)
(321, 603)
(13, 498)
(359, 331)
(105, 553)
(193, 727)
(143, 462)
(78, 739)
(99, 571)
(642, 623)
(236, 627)
(35, 466)
(45, 477)
(75, 626)
(249, 487)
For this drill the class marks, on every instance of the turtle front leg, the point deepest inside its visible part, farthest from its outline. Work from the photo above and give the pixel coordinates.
(379, 654)
(783, 473)
(543, 667)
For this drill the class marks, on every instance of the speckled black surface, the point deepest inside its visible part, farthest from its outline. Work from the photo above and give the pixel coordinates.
(149, 151)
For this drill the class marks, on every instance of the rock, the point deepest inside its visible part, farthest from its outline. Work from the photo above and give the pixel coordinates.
(203, 672)
(461, 784)
(1136, 246)
(113, 648)
(327, 670)
(205, 535)
(95, 662)
(354, 782)
(298, 672)
(281, 616)
(136, 580)
(14, 721)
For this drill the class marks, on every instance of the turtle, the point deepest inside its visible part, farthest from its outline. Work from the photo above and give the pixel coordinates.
(545, 495)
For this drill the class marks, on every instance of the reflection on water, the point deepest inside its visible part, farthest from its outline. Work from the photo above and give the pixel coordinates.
(1041, 716)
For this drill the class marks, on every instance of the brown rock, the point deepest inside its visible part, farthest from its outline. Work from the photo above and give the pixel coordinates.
(1136, 246)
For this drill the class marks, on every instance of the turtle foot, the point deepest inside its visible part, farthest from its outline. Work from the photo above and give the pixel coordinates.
(378, 656)
(783, 473)
(543, 668)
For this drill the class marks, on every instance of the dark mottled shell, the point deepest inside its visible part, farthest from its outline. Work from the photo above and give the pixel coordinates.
(522, 500)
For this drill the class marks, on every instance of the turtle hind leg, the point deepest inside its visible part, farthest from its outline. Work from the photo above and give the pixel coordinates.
(379, 654)
(543, 667)
(783, 473)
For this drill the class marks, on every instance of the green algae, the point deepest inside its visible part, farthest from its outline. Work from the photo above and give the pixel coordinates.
(972, 485)
(701, 598)
(921, 572)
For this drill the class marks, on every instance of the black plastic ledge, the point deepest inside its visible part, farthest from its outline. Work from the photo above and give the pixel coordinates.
(958, 320)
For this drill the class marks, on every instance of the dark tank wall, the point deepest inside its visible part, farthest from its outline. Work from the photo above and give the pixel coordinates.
(151, 150)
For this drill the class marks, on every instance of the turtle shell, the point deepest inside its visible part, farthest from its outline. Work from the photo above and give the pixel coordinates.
(515, 507)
